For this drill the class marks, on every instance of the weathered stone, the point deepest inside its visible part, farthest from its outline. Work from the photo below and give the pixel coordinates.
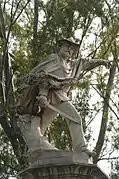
(57, 164)
(44, 94)
(38, 158)
(40, 101)
(69, 171)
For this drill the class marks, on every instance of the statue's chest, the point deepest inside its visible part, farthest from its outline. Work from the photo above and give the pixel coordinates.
(60, 68)
(67, 68)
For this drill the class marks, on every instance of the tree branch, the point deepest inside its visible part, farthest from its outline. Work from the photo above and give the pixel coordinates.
(108, 158)
(35, 28)
(20, 11)
(88, 123)
(104, 121)
(108, 104)
(13, 139)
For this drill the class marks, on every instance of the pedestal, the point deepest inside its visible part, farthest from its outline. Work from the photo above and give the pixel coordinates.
(61, 165)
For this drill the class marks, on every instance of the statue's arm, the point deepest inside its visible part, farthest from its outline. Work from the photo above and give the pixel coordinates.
(45, 79)
(84, 65)
(93, 63)
(78, 67)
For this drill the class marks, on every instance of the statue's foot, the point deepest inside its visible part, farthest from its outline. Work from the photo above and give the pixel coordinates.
(41, 144)
(82, 148)
(38, 148)
(45, 145)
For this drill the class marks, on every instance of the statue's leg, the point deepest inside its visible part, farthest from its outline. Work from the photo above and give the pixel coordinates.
(76, 129)
(47, 118)
(30, 128)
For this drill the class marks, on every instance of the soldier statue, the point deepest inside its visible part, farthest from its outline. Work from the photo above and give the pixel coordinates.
(42, 100)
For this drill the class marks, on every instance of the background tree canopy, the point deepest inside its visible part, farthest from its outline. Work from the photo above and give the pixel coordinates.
(28, 33)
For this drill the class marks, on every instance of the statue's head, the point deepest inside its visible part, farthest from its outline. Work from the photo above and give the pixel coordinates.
(67, 48)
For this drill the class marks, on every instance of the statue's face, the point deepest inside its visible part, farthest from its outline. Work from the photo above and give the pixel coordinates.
(66, 51)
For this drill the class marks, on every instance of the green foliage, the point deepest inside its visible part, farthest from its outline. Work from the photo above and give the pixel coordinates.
(8, 162)
(59, 134)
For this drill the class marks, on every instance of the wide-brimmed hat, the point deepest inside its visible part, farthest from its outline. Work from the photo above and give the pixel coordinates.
(68, 41)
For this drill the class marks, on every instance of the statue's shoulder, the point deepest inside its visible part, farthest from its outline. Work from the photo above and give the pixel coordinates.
(43, 65)
(50, 58)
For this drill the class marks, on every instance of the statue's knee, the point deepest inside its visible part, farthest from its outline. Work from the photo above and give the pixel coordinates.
(24, 122)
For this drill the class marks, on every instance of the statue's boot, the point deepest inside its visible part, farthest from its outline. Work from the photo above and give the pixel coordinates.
(82, 148)
(38, 148)
(41, 144)
(45, 145)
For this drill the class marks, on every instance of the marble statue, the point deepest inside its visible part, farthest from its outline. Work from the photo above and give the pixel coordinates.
(44, 95)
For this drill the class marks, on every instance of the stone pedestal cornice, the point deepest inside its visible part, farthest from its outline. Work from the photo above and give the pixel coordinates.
(61, 165)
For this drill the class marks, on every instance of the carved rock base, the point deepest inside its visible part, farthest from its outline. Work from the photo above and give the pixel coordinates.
(57, 167)
(40, 157)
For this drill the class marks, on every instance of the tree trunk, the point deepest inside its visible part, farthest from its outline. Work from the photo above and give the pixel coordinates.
(106, 100)
(35, 29)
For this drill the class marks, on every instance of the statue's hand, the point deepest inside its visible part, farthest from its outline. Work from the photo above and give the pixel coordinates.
(108, 64)
(55, 84)
(42, 101)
